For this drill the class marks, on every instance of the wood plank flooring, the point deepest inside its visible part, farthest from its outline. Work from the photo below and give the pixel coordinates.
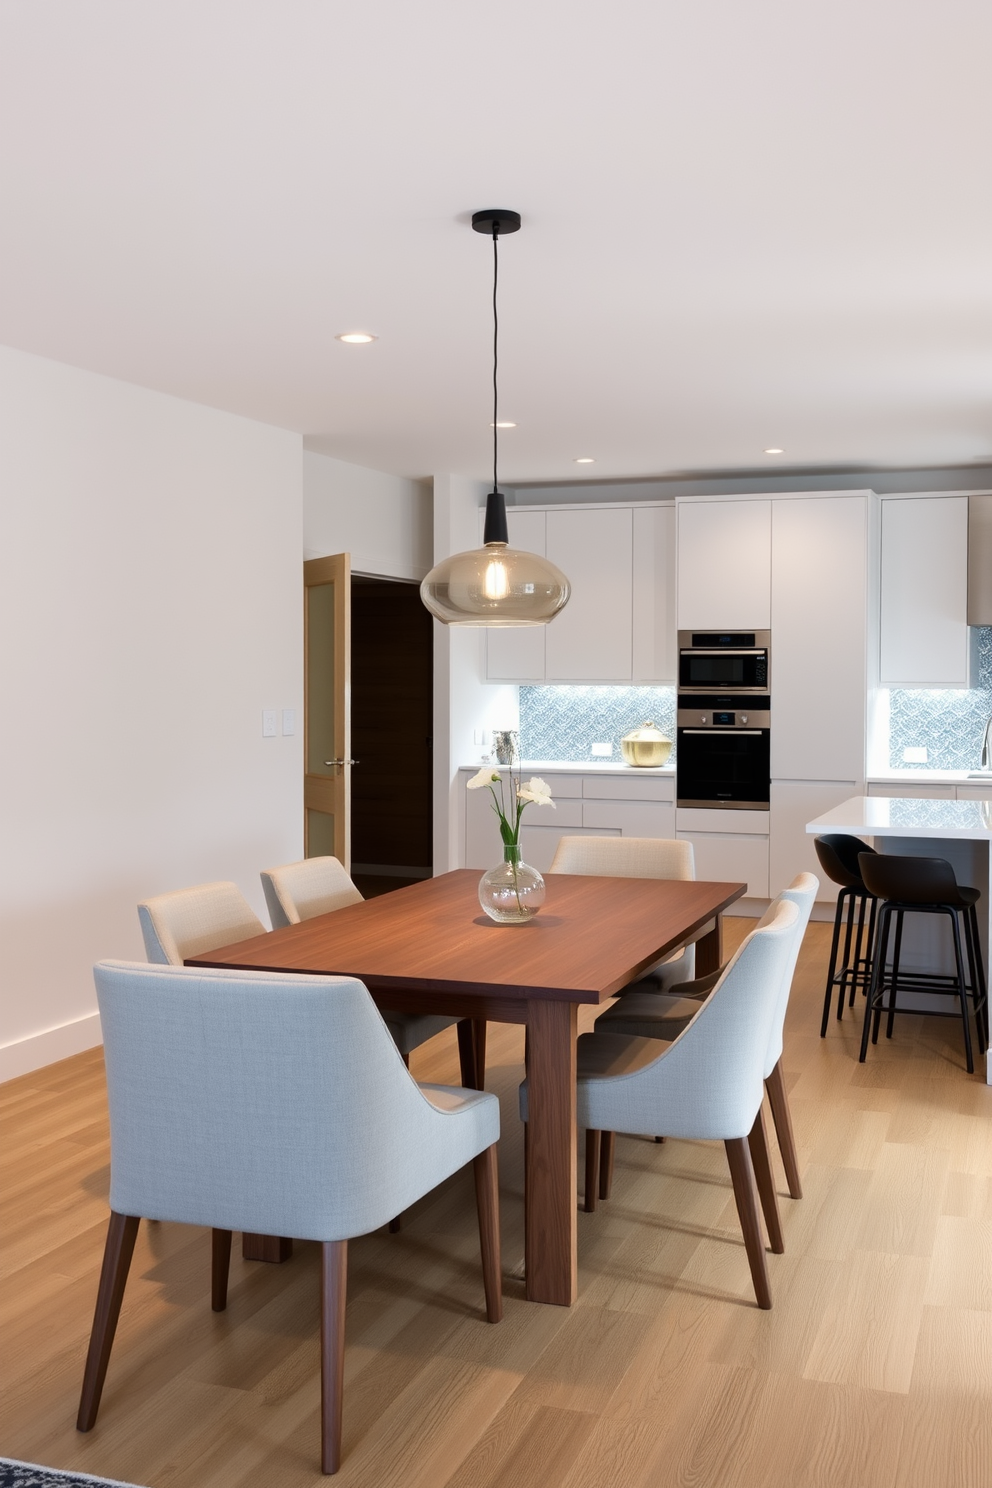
(874, 1367)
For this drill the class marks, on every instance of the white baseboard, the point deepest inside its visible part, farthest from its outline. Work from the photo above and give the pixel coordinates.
(39, 1049)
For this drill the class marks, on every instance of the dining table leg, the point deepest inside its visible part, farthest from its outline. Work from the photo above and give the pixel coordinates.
(709, 949)
(550, 1223)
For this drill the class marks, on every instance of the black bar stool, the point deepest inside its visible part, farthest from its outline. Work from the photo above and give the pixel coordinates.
(909, 885)
(838, 854)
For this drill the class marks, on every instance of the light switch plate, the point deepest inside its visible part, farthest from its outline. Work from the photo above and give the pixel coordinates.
(604, 751)
(289, 720)
(268, 723)
(914, 756)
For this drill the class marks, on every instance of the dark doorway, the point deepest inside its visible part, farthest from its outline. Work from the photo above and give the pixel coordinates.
(392, 687)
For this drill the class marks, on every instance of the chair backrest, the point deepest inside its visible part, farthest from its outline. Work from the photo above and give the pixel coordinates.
(802, 893)
(909, 879)
(298, 891)
(189, 921)
(709, 1082)
(625, 857)
(838, 856)
(254, 1101)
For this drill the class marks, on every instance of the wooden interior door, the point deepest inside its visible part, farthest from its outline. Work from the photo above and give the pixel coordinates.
(327, 707)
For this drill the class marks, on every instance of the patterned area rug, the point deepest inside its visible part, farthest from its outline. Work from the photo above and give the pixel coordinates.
(30, 1475)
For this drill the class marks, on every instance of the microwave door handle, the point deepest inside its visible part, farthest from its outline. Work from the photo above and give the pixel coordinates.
(706, 731)
(725, 651)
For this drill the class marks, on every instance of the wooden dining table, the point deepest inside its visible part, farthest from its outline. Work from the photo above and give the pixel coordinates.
(429, 948)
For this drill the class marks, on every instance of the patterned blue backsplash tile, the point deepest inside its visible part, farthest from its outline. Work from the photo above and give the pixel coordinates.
(563, 723)
(948, 724)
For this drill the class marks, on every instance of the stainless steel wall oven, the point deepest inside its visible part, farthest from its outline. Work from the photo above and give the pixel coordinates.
(724, 728)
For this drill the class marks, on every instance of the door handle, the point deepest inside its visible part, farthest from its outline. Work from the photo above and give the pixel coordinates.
(342, 762)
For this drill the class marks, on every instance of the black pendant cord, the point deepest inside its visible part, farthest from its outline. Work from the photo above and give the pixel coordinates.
(495, 355)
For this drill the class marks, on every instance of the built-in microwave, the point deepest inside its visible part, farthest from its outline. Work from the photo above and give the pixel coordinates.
(735, 660)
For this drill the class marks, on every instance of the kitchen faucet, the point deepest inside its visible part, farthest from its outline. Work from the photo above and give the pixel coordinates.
(987, 747)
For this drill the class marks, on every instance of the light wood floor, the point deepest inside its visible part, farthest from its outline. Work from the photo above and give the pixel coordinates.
(874, 1367)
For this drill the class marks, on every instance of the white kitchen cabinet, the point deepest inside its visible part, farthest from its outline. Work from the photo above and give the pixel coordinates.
(515, 653)
(593, 805)
(654, 642)
(924, 640)
(590, 641)
(791, 850)
(731, 857)
(724, 564)
(819, 637)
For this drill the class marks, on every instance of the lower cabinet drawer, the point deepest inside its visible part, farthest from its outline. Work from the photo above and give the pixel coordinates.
(629, 787)
(731, 858)
(538, 845)
(631, 818)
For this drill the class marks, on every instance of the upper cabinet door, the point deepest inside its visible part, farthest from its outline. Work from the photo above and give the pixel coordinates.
(724, 569)
(654, 635)
(590, 641)
(515, 653)
(924, 640)
(819, 637)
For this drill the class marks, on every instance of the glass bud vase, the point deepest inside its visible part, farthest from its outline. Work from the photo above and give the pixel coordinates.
(513, 891)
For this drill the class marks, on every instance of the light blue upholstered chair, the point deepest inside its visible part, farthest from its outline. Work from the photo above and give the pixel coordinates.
(708, 1083)
(316, 886)
(643, 1014)
(277, 1105)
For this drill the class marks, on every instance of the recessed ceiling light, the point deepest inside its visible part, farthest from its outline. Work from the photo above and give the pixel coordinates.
(584, 460)
(774, 451)
(356, 338)
(503, 424)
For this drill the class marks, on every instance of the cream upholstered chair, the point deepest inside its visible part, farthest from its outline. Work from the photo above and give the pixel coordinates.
(316, 886)
(188, 922)
(708, 1083)
(274, 1104)
(298, 891)
(645, 1015)
(635, 857)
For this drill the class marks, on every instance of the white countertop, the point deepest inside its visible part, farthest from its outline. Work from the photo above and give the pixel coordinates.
(580, 767)
(896, 816)
(931, 777)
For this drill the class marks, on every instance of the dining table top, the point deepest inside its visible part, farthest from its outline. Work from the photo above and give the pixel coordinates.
(592, 936)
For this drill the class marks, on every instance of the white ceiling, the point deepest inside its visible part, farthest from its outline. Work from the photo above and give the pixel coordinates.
(746, 222)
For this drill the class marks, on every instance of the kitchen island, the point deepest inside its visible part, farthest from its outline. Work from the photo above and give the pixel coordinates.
(960, 831)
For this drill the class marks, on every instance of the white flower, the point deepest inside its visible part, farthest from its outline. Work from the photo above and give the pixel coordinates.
(536, 790)
(486, 776)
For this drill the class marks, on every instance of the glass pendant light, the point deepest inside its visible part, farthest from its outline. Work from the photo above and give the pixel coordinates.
(495, 584)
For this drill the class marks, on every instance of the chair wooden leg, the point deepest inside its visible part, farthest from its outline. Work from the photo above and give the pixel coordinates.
(487, 1203)
(782, 1117)
(472, 1052)
(220, 1266)
(121, 1235)
(742, 1174)
(395, 1224)
(758, 1143)
(607, 1146)
(333, 1298)
(592, 1170)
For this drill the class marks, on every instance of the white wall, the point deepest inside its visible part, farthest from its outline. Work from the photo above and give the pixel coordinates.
(383, 521)
(150, 607)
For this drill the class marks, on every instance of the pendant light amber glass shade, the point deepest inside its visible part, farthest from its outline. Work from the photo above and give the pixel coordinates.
(495, 585)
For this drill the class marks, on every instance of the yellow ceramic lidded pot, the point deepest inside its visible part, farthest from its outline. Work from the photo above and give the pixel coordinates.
(645, 746)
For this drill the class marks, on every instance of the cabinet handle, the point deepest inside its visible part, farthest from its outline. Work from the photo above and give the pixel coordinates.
(342, 762)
